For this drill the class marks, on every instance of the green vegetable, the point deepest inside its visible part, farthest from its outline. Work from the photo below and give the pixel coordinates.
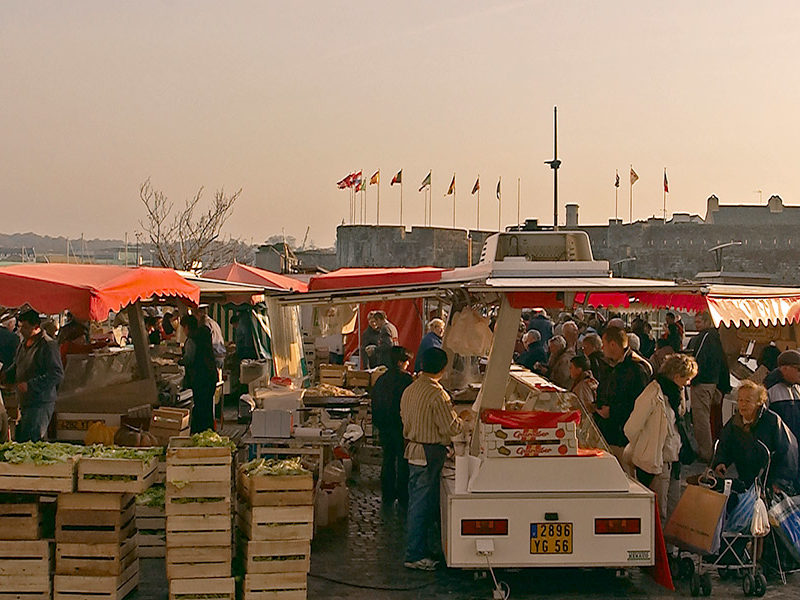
(153, 496)
(211, 439)
(275, 467)
(38, 453)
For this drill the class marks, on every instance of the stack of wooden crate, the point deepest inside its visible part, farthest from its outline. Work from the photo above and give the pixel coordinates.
(275, 518)
(96, 549)
(151, 522)
(25, 558)
(167, 422)
(198, 510)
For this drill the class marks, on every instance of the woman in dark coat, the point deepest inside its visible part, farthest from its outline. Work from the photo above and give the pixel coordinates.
(741, 438)
(201, 372)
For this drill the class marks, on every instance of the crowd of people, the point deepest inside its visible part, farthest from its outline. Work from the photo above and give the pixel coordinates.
(658, 402)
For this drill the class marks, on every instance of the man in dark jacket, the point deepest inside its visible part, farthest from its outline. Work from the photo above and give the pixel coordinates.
(740, 442)
(386, 395)
(534, 350)
(711, 383)
(616, 395)
(36, 372)
(432, 339)
(592, 346)
(541, 323)
(783, 389)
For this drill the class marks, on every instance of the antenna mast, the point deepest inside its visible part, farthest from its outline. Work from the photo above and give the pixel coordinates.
(555, 164)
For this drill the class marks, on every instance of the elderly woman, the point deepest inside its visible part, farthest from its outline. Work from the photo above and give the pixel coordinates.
(558, 365)
(654, 441)
(741, 438)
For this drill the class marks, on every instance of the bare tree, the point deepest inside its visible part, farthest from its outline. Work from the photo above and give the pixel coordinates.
(188, 237)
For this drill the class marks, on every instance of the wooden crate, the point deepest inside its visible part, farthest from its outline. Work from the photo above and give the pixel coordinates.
(152, 545)
(270, 490)
(191, 563)
(130, 476)
(190, 464)
(360, 379)
(198, 498)
(28, 477)
(25, 587)
(81, 587)
(167, 422)
(161, 471)
(19, 520)
(220, 588)
(95, 559)
(276, 522)
(95, 517)
(275, 586)
(198, 530)
(276, 556)
(29, 558)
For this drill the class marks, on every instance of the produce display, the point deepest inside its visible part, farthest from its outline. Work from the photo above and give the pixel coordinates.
(324, 390)
(48, 453)
(154, 496)
(211, 439)
(274, 467)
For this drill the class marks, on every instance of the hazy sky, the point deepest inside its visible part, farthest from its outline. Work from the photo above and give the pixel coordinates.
(283, 99)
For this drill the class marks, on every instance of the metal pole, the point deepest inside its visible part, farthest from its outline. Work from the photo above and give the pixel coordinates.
(378, 215)
(478, 224)
(454, 200)
(555, 164)
(630, 200)
(519, 196)
(401, 201)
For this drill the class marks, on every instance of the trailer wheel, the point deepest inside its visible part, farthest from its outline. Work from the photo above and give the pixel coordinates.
(705, 584)
(694, 584)
(748, 584)
(761, 585)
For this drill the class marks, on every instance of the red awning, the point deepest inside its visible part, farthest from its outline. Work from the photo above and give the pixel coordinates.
(89, 292)
(245, 274)
(350, 278)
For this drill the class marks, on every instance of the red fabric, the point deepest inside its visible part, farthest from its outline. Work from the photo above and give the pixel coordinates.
(529, 419)
(660, 570)
(406, 315)
(89, 292)
(239, 273)
(367, 278)
(612, 299)
(679, 301)
(535, 299)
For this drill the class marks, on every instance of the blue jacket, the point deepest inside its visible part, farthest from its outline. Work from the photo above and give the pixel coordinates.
(429, 340)
(39, 366)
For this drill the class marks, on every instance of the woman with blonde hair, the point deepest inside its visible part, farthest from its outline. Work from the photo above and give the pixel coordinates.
(654, 441)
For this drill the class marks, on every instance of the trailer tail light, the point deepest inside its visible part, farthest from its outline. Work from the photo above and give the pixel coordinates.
(617, 526)
(484, 527)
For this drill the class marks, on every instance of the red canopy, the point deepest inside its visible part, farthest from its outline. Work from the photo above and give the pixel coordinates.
(369, 278)
(89, 292)
(244, 274)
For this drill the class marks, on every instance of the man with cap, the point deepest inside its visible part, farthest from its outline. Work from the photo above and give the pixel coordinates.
(783, 389)
(429, 423)
(36, 373)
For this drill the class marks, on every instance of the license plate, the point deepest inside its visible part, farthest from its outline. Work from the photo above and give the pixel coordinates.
(551, 538)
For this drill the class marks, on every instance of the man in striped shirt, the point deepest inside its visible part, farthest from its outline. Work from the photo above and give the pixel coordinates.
(429, 422)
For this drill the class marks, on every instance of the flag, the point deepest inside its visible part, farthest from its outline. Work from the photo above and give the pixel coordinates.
(634, 176)
(498, 188)
(397, 178)
(452, 188)
(360, 185)
(666, 183)
(376, 177)
(358, 181)
(346, 182)
(616, 181)
(477, 185)
(425, 182)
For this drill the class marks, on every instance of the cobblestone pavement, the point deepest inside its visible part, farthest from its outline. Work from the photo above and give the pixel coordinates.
(361, 558)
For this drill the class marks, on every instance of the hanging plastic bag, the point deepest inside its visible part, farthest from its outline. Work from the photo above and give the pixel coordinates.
(741, 517)
(785, 515)
(759, 526)
(469, 333)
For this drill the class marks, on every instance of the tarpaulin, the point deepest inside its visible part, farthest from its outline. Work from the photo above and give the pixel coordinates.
(90, 292)
(529, 419)
(404, 314)
(608, 299)
(245, 274)
(369, 278)
(535, 299)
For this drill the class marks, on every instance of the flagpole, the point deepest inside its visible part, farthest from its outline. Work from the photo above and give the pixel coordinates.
(401, 200)
(454, 200)
(665, 195)
(499, 205)
(616, 196)
(378, 215)
(630, 207)
(478, 225)
(519, 186)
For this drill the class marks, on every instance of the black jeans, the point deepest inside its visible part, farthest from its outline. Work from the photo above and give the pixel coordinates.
(394, 470)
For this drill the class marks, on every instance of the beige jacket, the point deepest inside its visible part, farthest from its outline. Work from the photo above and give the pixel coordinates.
(652, 436)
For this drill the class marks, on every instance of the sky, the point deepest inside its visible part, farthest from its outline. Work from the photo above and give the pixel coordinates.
(283, 99)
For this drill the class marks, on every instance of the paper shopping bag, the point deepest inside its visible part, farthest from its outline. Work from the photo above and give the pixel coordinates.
(696, 523)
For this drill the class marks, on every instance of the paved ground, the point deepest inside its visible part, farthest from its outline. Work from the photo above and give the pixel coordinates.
(360, 558)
